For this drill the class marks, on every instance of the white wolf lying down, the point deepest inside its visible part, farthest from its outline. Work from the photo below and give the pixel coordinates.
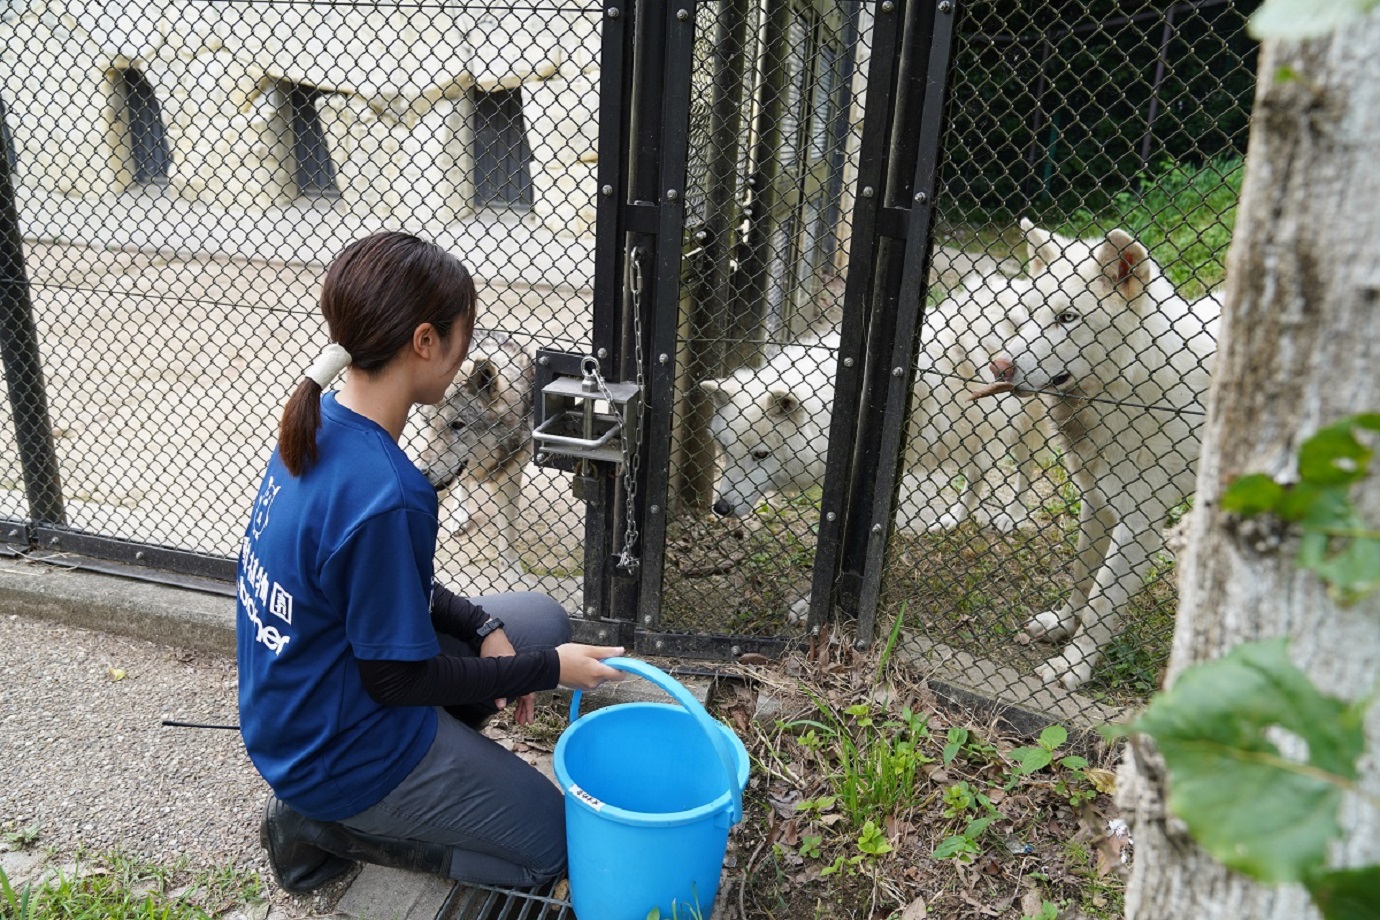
(1122, 363)
(771, 424)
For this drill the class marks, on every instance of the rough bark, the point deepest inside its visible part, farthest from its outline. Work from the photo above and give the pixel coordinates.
(1300, 348)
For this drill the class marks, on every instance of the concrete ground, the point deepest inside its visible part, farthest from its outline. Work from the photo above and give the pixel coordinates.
(204, 622)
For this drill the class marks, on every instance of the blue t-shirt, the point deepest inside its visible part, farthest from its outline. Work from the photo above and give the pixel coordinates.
(335, 566)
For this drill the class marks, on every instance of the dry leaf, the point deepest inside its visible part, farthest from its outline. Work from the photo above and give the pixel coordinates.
(916, 910)
(116, 673)
(1104, 781)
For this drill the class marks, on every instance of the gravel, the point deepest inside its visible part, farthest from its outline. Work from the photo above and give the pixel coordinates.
(84, 758)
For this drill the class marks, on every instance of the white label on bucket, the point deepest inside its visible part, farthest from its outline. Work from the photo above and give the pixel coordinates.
(585, 797)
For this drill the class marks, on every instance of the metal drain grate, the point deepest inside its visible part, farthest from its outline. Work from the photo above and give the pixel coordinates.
(484, 902)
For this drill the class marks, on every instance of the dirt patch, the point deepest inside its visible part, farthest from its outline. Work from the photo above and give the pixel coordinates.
(868, 798)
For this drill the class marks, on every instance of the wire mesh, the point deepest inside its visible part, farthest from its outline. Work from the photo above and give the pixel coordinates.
(184, 172)
(1083, 119)
(773, 144)
(1030, 547)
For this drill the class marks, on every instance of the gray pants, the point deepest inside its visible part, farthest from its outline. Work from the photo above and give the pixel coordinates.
(503, 820)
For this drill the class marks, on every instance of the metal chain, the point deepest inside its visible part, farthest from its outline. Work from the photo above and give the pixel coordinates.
(632, 457)
(632, 460)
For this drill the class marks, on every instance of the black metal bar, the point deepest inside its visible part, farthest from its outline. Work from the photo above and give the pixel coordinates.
(644, 191)
(615, 81)
(135, 555)
(23, 364)
(936, 34)
(842, 128)
(664, 315)
(1035, 150)
(1161, 64)
(864, 516)
(711, 648)
(709, 322)
(755, 252)
(848, 389)
(18, 533)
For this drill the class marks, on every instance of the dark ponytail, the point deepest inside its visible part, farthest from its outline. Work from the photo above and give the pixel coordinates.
(297, 430)
(376, 293)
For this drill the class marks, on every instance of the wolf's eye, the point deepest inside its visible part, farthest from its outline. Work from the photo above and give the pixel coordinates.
(1067, 317)
(761, 453)
(457, 425)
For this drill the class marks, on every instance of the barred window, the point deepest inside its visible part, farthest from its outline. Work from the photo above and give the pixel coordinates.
(502, 157)
(314, 170)
(150, 159)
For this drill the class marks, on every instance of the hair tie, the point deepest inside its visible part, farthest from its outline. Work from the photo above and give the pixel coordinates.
(333, 360)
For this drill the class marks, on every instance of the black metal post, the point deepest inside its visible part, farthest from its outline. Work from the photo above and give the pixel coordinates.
(831, 582)
(866, 519)
(662, 321)
(711, 319)
(764, 180)
(1161, 64)
(23, 366)
(616, 79)
(933, 40)
(644, 179)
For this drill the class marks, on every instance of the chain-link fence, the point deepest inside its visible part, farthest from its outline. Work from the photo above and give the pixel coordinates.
(184, 171)
(1117, 133)
(1083, 120)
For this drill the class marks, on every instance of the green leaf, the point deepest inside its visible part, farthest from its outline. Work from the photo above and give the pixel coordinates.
(977, 826)
(1352, 572)
(1347, 894)
(956, 845)
(1074, 762)
(1255, 493)
(1028, 760)
(1053, 736)
(1305, 18)
(1273, 819)
(1333, 456)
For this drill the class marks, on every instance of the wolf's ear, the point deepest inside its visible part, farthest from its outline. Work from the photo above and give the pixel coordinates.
(781, 402)
(1040, 246)
(1125, 262)
(720, 391)
(482, 382)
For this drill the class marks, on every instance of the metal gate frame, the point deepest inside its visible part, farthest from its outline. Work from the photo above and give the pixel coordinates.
(645, 112)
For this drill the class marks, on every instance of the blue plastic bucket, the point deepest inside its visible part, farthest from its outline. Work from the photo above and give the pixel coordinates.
(651, 790)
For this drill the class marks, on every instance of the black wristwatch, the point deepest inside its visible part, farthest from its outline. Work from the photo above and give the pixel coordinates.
(493, 623)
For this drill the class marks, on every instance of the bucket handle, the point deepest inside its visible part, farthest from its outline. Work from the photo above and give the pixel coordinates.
(678, 692)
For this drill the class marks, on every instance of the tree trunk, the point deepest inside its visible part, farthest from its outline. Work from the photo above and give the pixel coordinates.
(1300, 348)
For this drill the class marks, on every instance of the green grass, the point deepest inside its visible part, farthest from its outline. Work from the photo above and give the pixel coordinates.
(115, 886)
(1183, 213)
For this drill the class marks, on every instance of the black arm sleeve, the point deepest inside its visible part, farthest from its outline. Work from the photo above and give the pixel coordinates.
(452, 680)
(454, 615)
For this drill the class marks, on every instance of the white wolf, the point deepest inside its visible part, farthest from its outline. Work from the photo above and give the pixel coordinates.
(481, 434)
(771, 424)
(1122, 362)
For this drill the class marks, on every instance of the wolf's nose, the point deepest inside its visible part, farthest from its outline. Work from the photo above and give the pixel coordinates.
(722, 508)
(1002, 368)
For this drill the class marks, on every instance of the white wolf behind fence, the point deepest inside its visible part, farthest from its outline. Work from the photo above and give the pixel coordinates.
(480, 436)
(771, 424)
(1122, 362)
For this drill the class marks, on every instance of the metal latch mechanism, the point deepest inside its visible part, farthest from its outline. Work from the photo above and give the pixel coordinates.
(572, 423)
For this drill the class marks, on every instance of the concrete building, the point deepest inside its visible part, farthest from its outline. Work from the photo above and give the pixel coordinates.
(445, 115)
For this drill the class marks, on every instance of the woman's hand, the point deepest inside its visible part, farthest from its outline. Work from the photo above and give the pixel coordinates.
(582, 666)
